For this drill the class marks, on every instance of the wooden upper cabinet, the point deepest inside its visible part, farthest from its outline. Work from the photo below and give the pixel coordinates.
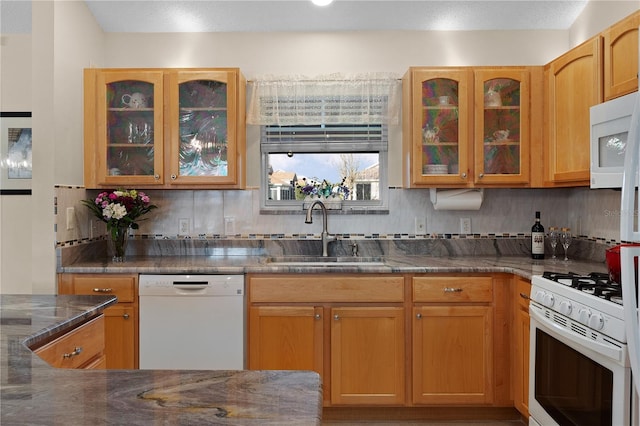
(437, 105)
(573, 83)
(164, 128)
(621, 57)
(501, 136)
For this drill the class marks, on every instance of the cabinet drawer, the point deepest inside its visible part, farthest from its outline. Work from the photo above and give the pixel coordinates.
(77, 347)
(330, 288)
(123, 287)
(452, 289)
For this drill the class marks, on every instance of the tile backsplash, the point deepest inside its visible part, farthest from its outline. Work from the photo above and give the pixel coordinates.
(591, 214)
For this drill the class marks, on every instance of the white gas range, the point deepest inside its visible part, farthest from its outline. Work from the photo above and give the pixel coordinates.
(579, 362)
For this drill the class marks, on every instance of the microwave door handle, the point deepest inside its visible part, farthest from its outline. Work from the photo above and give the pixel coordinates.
(629, 220)
(630, 305)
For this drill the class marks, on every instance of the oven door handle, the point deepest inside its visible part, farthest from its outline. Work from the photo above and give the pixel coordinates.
(611, 352)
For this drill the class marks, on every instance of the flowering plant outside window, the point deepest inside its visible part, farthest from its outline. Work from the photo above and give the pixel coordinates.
(323, 188)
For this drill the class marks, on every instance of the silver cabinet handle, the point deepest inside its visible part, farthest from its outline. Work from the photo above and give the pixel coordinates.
(524, 296)
(317, 316)
(156, 177)
(419, 316)
(464, 175)
(481, 175)
(125, 316)
(174, 177)
(102, 290)
(75, 352)
(336, 317)
(452, 290)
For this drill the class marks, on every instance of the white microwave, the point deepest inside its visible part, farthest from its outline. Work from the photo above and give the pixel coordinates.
(610, 122)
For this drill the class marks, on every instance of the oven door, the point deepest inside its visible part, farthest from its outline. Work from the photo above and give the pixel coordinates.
(573, 379)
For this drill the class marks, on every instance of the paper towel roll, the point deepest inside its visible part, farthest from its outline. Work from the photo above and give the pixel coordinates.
(457, 199)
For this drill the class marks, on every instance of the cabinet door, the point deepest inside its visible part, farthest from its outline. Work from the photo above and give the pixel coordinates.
(521, 349)
(439, 127)
(203, 117)
(367, 355)
(501, 126)
(452, 355)
(621, 57)
(120, 333)
(573, 85)
(285, 338)
(128, 124)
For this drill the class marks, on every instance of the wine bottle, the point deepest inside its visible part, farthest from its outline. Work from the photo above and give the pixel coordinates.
(537, 239)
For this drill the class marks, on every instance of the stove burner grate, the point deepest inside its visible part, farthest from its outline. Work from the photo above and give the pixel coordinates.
(595, 283)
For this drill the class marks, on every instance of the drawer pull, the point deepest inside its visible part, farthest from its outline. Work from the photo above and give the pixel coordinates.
(524, 296)
(336, 317)
(75, 352)
(419, 316)
(125, 316)
(452, 290)
(102, 290)
(317, 316)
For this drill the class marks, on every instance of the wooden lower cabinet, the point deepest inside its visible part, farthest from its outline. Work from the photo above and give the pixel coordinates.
(367, 355)
(522, 291)
(82, 347)
(121, 319)
(453, 355)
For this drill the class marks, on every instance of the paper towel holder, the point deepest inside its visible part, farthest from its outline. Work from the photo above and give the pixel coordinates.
(456, 199)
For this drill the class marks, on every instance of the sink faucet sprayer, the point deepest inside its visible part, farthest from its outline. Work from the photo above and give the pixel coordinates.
(326, 238)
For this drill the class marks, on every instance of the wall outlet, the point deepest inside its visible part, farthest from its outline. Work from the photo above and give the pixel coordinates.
(465, 225)
(421, 224)
(229, 225)
(71, 212)
(183, 227)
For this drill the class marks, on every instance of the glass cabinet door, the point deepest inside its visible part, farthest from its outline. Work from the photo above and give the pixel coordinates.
(440, 148)
(501, 123)
(203, 114)
(129, 133)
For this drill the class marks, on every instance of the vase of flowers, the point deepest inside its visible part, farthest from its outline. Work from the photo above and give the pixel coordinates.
(119, 209)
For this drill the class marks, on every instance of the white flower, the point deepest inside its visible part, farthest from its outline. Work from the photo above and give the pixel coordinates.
(114, 211)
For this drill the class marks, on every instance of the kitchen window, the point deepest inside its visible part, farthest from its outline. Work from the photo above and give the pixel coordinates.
(328, 131)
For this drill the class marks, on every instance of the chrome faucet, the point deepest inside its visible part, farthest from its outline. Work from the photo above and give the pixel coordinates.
(326, 238)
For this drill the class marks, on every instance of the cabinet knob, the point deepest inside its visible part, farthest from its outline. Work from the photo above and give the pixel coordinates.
(336, 317)
(463, 175)
(76, 351)
(317, 316)
(452, 290)
(102, 290)
(419, 316)
(156, 177)
(125, 316)
(174, 177)
(481, 175)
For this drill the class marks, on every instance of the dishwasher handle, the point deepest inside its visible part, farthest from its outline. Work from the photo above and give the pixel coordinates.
(190, 285)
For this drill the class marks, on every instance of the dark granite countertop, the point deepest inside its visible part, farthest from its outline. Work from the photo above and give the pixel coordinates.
(33, 393)
(519, 265)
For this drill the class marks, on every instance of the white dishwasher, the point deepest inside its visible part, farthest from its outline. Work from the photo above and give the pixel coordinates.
(192, 322)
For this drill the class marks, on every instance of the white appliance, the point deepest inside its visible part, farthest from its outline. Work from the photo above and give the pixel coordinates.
(610, 123)
(192, 322)
(579, 372)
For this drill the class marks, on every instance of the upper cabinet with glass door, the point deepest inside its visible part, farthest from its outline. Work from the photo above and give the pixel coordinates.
(123, 127)
(436, 104)
(164, 128)
(501, 126)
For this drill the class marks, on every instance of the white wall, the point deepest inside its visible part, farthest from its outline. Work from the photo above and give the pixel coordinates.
(598, 16)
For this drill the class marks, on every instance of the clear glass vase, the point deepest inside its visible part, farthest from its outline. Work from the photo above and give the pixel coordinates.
(117, 242)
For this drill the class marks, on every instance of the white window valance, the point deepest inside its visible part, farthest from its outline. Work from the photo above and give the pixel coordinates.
(330, 99)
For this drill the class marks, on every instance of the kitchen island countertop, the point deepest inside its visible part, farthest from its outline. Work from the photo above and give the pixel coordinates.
(32, 392)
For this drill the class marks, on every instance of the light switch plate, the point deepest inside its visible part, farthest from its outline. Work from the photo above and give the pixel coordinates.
(465, 225)
(184, 227)
(421, 224)
(70, 216)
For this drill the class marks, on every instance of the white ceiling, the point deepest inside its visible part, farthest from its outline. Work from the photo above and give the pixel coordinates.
(301, 15)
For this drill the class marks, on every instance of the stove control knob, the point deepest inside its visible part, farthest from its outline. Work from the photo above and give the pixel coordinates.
(539, 297)
(565, 307)
(548, 300)
(583, 316)
(596, 321)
